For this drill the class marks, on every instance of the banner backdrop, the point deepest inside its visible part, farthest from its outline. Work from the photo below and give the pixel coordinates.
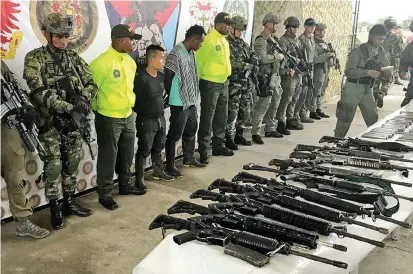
(159, 22)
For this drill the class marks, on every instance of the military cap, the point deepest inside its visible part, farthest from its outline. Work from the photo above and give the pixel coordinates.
(56, 23)
(292, 21)
(270, 17)
(378, 30)
(223, 17)
(239, 23)
(121, 31)
(310, 22)
(320, 26)
(390, 23)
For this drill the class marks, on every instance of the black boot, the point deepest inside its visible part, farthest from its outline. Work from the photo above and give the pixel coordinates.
(170, 161)
(282, 128)
(203, 156)
(257, 139)
(140, 172)
(229, 143)
(322, 114)
(158, 171)
(71, 207)
(188, 148)
(56, 219)
(315, 116)
(239, 138)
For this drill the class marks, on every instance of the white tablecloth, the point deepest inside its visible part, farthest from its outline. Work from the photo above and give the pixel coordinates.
(198, 258)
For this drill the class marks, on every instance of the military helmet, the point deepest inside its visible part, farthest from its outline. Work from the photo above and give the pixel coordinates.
(378, 30)
(239, 23)
(56, 23)
(310, 22)
(390, 23)
(292, 21)
(320, 26)
(270, 17)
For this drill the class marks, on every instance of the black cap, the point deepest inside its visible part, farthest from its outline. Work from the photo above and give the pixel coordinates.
(310, 22)
(121, 31)
(223, 17)
(378, 30)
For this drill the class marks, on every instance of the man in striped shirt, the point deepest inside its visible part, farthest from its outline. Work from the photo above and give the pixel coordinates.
(182, 89)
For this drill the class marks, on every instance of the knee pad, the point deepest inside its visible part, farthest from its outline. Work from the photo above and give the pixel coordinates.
(52, 170)
(72, 162)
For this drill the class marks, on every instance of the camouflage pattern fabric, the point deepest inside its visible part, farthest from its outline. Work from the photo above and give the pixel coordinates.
(56, 23)
(240, 88)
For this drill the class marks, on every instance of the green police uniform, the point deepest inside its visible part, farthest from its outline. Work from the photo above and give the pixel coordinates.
(61, 88)
(357, 91)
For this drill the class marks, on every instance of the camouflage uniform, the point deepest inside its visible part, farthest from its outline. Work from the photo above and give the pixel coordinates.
(240, 87)
(61, 88)
(290, 84)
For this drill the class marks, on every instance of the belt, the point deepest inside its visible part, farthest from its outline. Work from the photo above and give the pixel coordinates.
(359, 81)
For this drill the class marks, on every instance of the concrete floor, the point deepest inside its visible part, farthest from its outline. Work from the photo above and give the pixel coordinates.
(114, 242)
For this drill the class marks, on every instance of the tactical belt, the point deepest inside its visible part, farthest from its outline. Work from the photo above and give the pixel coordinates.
(359, 81)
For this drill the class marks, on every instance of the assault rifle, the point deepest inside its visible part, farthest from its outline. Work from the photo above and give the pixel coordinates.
(254, 73)
(252, 207)
(366, 145)
(313, 196)
(17, 96)
(352, 175)
(355, 161)
(336, 61)
(293, 62)
(246, 246)
(308, 178)
(275, 230)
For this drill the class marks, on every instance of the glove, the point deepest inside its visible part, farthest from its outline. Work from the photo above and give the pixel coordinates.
(82, 105)
(405, 101)
(30, 117)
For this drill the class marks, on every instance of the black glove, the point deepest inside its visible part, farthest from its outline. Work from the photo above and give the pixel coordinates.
(30, 116)
(405, 102)
(82, 105)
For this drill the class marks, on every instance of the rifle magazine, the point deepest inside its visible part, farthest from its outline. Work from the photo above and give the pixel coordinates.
(247, 255)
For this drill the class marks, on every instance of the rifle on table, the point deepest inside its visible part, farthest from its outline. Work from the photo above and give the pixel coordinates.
(312, 181)
(354, 161)
(252, 207)
(366, 145)
(17, 97)
(336, 61)
(379, 202)
(246, 246)
(274, 230)
(352, 175)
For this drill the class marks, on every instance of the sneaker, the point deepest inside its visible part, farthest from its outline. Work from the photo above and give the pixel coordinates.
(26, 228)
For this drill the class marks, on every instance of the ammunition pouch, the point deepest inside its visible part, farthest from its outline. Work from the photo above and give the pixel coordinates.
(66, 89)
(264, 85)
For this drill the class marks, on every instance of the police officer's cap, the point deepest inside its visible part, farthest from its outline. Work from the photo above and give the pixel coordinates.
(320, 26)
(239, 23)
(310, 22)
(378, 30)
(56, 23)
(223, 17)
(271, 18)
(390, 23)
(292, 21)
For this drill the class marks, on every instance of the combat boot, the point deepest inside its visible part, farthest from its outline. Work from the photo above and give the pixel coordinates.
(71, 207)
(229, 143)
(24, 227)
(159, 174)
(203, 156)
(322, 114)
(140, 173)
(221, 151)
(282, 128)
(171, 169)
(257, 139)
(239, 138)
(56, 219)
(293, 124)
(188, 148)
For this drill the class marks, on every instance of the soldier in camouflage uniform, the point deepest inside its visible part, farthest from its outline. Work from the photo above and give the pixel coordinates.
(405, 62)
(393, 48)
(61, 89)
(290, 80)
(240, 88)
(270, 90)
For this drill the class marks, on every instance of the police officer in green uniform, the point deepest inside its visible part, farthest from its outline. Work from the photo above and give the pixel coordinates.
(405, 62)
(240, 88)
(290, 79)
(357, 91)
(61, 88)
(270, 90)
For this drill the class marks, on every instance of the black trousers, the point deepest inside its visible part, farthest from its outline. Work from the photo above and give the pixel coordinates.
(182, 123)
(151, 138)
(116, 141)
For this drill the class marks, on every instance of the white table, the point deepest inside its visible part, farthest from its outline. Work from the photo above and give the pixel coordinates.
(198, 258)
